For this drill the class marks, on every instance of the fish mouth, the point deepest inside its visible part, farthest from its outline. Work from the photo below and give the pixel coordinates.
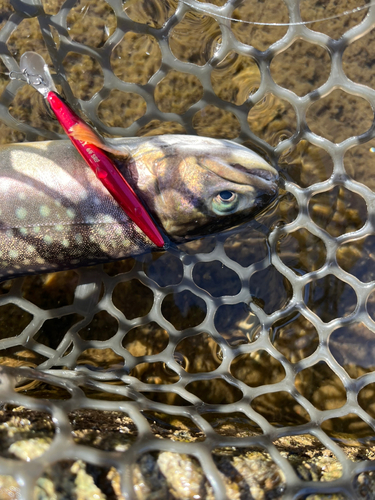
(265, 181)
(267, 175)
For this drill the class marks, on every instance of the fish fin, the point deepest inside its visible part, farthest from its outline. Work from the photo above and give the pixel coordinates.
(82, 132)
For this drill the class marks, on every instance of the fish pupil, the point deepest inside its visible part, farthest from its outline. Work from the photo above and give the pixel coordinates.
(226, 195)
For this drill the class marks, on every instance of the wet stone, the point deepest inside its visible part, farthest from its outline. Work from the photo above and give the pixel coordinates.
(353, 346)
(270, 289)
(146, 339)
(258, 368)
(260, 37)
(216, 278)
(212, 121)
(298, 57)
(84, 74)
(336, 117)
(177, 92)
(343, 298)
(301, 251)
(200, 353)
(236, 324)
(184, 309)
(357, 258)
(295, 337)
(132, 298)
(321, 386)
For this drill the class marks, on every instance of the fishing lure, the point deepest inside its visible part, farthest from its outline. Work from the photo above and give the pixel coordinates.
(37, 74)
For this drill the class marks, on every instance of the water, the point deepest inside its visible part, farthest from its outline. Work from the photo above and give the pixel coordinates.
(209, 329)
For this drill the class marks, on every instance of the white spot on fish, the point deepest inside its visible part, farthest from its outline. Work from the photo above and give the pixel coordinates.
(23, 231)
(48, 239)
(78, 238)
(21, 213)
(22, 196)
(70, 213)
(36, 229)
(30, 249)
(59, 227)
(65, 242)
(107, 219)
(44, 210)
(13, 254)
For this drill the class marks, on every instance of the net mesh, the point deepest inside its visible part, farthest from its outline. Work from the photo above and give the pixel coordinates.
(240, 365)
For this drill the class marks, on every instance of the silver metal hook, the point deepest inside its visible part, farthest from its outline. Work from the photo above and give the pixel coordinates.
(24, 76)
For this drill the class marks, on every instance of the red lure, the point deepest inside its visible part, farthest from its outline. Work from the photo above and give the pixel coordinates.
(106, 171)
(36, 73)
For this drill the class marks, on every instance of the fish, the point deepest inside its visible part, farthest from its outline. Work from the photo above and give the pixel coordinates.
(56, 215)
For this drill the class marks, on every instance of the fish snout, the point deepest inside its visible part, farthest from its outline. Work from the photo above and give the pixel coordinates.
(264, 180)
(251, 169)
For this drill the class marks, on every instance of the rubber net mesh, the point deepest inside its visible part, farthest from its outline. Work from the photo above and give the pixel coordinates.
(241, 365)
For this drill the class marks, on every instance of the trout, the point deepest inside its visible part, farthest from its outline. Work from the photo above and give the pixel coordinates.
(55, 214)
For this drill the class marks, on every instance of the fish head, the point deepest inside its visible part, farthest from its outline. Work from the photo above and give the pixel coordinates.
(196, 186)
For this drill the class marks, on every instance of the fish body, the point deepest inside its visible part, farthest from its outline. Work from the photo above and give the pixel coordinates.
(55, 214)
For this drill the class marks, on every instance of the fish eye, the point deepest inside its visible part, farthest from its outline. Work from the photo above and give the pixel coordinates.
(226, 196)
(225, 202)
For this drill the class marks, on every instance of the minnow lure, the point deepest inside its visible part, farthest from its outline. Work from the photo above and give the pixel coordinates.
(35, 70)
(55, 214)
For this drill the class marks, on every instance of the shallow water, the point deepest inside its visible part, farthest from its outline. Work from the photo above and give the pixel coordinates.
(217, 293)
(338, 210)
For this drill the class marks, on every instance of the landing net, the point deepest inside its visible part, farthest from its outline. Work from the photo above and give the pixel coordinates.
(242, 365)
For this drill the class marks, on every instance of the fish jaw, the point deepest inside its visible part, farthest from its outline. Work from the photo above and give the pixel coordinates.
(181, 177)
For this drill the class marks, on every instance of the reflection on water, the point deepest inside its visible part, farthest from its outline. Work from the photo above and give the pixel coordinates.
(295, 337)
(206, 41)
(154, 13)
(306, 164)
(338, 211)
(272, 119)
(235, 78)
(260, 11)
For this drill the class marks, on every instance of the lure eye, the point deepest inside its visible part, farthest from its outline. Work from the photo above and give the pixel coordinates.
(225, 202)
